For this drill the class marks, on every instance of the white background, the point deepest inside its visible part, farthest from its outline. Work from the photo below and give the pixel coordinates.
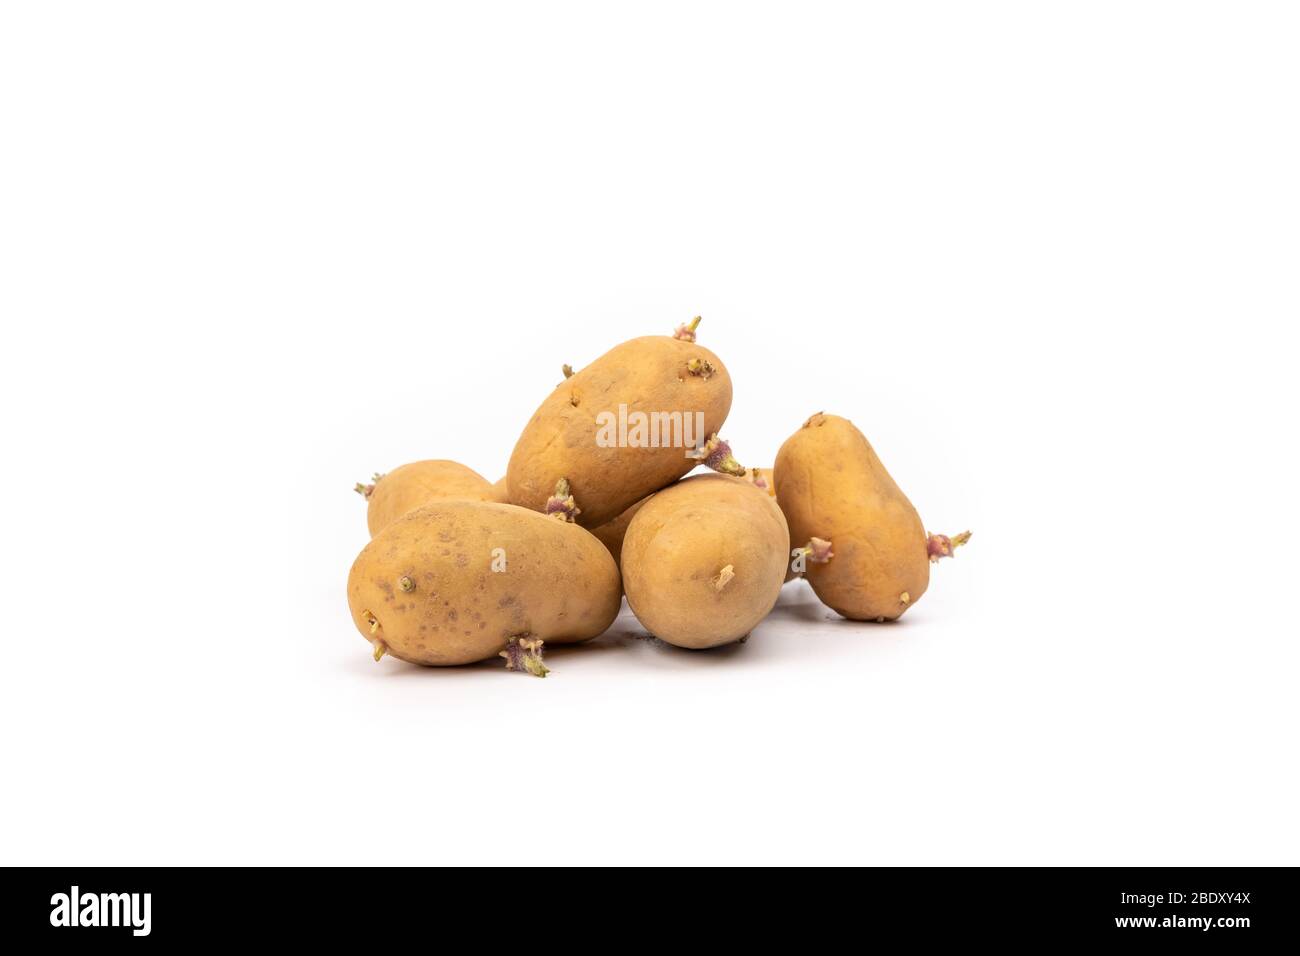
(1044, 255)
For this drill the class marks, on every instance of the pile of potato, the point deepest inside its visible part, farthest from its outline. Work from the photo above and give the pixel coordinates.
(460, 570)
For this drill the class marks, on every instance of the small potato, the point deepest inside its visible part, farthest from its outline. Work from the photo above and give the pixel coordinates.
(499, 493)
(657, 382)
(868, 555)
(461, 581)
(411, 486)
(704, 560)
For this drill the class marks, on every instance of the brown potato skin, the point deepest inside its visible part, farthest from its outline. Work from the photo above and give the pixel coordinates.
(414, 485)
(680, 540)
(648, 374)
(831, 485)
(560, 584)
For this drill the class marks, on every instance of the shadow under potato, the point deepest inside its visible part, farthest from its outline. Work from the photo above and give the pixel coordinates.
(770, 639)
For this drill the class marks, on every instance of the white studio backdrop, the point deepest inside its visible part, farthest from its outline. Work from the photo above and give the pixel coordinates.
(1044, 255)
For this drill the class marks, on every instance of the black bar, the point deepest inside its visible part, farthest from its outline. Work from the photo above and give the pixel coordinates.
(1224, 907)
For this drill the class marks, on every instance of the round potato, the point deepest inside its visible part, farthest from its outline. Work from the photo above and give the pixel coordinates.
(461, 581)
(499, 493)
(411, 486)
(704, 560)
(869, 555)
(624, 427)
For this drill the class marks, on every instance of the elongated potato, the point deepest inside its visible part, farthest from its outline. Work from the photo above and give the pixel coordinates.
(616, 429)
(457, 581)
(704, 560)
(869, 555)
(411, 486)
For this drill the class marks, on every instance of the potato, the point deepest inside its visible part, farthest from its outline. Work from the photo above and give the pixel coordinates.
(499, 494)
(868, 555)
(611, 533)
(621, 428)
(409, 487)
(461, 581)
(704, 560)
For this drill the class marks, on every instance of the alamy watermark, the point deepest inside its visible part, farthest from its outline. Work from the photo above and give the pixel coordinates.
(102, 909)
(624, 429)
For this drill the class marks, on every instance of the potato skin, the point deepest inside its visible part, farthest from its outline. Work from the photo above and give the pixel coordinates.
(560, 584)
(499, 493)
(411, 486)
(678, 543)
(648, 375)
(831, 485)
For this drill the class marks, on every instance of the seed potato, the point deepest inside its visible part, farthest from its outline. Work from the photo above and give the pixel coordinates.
(411, 486)
(704, 560)
(869, 555)
(656, 374)
(461, 581)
